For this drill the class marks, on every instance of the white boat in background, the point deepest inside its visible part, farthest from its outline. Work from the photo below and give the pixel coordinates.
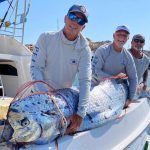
(14, 57)
(128, 132)
(14, 64)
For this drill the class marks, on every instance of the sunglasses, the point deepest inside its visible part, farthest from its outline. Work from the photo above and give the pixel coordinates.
(73, 17)
(137, 40)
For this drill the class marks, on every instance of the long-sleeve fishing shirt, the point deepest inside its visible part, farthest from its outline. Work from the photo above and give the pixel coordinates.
(107, 62)
(56, 60)
(141, 66)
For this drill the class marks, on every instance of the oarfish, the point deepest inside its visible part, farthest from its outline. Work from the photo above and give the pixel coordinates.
(40, 118)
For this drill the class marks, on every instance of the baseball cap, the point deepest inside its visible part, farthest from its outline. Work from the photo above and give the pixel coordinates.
(124, 28)
(138, 37)
(81, 9)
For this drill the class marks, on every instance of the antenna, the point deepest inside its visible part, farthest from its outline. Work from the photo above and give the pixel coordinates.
(24, 17)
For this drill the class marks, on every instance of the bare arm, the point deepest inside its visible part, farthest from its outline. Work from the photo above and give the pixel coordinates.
(145, 76)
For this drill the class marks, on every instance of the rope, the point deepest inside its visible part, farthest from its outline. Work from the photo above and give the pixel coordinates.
(112, 77)
(13, 9)
(23, 89)
(63, 120)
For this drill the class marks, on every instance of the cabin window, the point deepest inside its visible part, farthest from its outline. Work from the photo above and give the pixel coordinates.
(6, 69)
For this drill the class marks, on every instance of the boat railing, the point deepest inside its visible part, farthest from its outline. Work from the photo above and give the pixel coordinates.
(12, 24)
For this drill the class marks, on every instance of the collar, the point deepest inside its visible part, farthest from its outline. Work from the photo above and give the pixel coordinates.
(80, 42)
(65, 40)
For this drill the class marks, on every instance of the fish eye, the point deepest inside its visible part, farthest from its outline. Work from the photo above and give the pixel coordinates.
(25, 122)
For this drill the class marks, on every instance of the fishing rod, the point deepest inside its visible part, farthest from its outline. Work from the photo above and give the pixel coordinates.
(6, 14)
(10, 4)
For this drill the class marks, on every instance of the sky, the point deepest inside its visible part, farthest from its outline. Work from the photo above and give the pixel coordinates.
(104, 17)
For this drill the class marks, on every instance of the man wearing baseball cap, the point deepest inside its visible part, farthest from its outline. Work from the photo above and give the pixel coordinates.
(114, 61)
(123, 28)
(81, 9)
(141, 60)
(59, 56)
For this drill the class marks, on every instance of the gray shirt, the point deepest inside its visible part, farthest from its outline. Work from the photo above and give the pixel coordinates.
(141, 66)
(56, 60)
(107, 62)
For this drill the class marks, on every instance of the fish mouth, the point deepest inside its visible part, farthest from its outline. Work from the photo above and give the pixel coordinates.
(7, 135)
(26, 129)
(7, 132)
(26, 135)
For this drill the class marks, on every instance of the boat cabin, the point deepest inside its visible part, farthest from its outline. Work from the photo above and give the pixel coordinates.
(14, 65)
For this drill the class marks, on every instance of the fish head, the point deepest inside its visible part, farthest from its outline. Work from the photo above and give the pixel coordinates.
(34, 120)
(25, 128)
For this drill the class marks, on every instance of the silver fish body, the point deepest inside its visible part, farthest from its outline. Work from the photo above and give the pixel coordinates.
(37, 119)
